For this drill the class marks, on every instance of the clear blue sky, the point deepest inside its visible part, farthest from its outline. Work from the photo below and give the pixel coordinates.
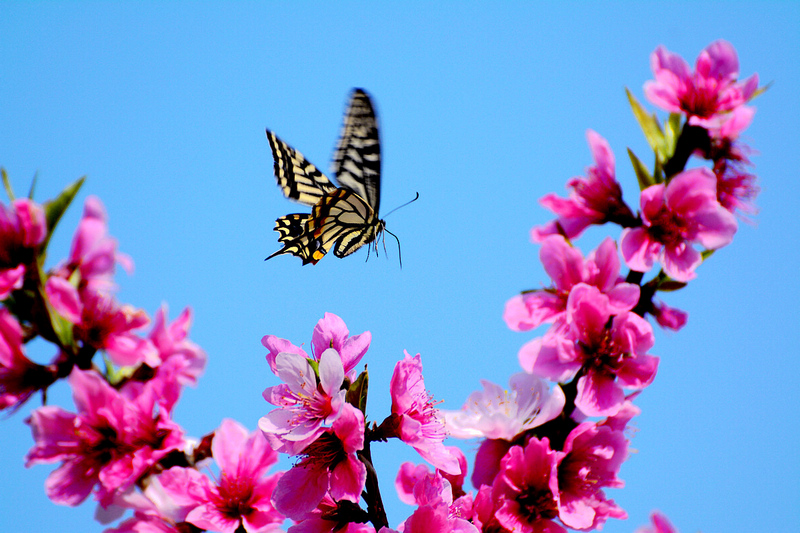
(483, 109)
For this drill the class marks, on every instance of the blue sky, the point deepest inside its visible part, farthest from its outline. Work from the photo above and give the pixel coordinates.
(483, 109)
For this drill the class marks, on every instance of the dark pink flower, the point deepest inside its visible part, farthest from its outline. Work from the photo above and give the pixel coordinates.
(308, 402)
(100, 322)
(610, 358)
(417, 422)
(22, 228)
(409, 475)
(174, 348)
(19, 376)
(567, 267)
(711, 90)
(525, 492)
(330, 466)
(669, 317)
(676, 216)
(330, 332)
(323, 519)
(94, 253)
(436, 511)
(110, 443)
(595, 199)
(660, 525)
(593, 457)
(240, 497)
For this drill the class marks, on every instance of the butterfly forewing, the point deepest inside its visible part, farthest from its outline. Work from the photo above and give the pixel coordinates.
(357, 159)
(297, 177)
(345, 219)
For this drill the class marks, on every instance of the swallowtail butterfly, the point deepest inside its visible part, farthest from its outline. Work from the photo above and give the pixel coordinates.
(344, 218)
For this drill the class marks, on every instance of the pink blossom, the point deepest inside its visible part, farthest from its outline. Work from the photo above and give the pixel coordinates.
(240, 497)
(330, 465)
(22, 229)
(567, 267)
(498, 413)
(676, 216)
(525, 492)
(110, 443)
(409, 475)
(173, 346)
(669, 317)
(610, 358)
(594, 199)
(19, 376)
(330, 332)
(416, 421)
(660, 525)
(436, 512)
(324, 519)
(100, 322)
(711, 90)
(307, 402)
(94, 253)
(593, 457)
(146, 523)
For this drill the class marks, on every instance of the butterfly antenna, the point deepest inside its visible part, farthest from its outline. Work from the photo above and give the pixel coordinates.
(405, 204)
(399, 254)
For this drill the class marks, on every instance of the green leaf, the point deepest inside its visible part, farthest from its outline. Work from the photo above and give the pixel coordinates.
(54, 209)
(7, 185)
(650, 126)
(707, 253)
(642, 174)
(33, 186)
(672, 128)
(357, 393)
(671, 285)
(61, 326)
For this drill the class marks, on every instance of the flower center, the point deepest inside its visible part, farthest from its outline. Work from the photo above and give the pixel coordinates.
(536, 504)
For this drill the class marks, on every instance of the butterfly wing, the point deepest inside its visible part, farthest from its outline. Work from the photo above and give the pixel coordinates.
(357, 159)
(342, 218)
(297, 177)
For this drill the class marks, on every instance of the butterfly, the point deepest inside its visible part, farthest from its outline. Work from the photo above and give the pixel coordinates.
(344, 218)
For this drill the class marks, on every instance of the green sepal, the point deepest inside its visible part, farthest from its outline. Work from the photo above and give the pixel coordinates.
(357, 393)
(33, 186)
(54, 209)
(7, 185)
(761, 90)
(642, 174)
(672, 130)
(116, 375)
(650, 127)
(315, 365)
(61, 326)
(705, 254)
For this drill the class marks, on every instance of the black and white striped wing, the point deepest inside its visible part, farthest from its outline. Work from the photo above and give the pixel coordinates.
(297, 177)
(344, 219)
(357, 159)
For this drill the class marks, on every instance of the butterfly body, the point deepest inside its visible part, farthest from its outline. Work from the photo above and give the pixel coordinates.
(344, 218)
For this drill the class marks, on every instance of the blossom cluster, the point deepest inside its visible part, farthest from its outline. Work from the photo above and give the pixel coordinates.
(551, 442)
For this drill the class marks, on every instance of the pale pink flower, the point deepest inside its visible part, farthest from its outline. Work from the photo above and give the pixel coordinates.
(23, 228)
(101, 323)
(595, 199)
(660, 525)
(567, 267)
(330, 332)
(525, 492)
(110, 443)
(308, 402)
(674, 217)
(711, 90)
(498, 413)
(19, 376)
(330, 466)
(610, 358)
(240, 497)
(594, 454)
(415, 419)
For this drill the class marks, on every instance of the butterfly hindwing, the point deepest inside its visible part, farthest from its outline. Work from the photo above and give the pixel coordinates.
(357, 159)
(297, 177)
